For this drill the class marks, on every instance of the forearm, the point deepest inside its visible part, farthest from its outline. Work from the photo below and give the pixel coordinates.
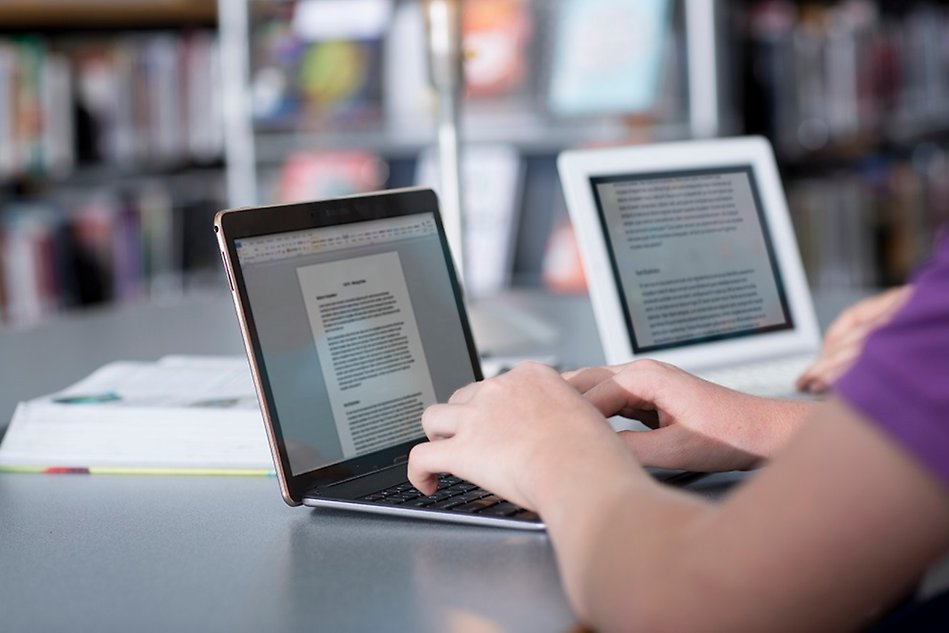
(611, 530)
(775, 422)
(816, 528)
(633, 528)
(634, 575)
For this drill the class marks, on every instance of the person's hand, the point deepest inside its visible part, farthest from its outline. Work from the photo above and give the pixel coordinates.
(514, 434)
(697, 425)
(846, 335)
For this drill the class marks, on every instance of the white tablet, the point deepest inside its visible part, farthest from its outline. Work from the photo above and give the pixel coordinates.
(689, 252)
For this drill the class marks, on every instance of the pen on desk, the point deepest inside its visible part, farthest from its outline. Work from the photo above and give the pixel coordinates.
(48, 470)
(66, 470)
(217, 472)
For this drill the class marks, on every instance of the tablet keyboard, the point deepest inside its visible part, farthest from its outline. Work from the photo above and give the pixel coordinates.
(773, 378)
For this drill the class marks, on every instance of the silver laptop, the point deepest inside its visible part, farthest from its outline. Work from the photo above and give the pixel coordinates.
(353, 322)
(690, 258)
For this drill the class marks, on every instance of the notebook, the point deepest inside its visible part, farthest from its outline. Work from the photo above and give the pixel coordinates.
(690, 258)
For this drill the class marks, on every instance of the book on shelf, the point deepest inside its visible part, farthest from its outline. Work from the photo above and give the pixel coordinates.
(85, 248)
(318, 64)
(607, 56)
(149, 99)
(831, 76)
(127, 100)
(36, 120)
(204, 105)
(181, 414)
(314, 175)
(27, 267)
(496, 38)
(871, 225)
(500, 50)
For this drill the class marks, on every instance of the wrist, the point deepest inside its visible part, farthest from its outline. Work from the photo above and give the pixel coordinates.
(562, 476)
(779, 421)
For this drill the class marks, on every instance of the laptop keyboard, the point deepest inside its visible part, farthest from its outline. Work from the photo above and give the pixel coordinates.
(453, 494)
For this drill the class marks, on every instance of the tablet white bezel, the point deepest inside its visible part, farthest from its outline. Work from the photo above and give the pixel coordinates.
(577, 167)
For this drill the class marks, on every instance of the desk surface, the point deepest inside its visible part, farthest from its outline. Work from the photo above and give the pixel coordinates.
(117, 553)
(104, 553)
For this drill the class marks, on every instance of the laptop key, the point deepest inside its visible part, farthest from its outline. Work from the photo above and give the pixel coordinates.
(526, 515)
(452, 494)
(503, 509)
(478, 505)
(447, 504)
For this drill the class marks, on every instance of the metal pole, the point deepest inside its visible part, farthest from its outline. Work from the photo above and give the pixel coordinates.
(443, 24)
(240, 162)
(701, 50)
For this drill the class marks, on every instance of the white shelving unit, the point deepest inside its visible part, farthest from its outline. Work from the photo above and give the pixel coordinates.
(247, 149)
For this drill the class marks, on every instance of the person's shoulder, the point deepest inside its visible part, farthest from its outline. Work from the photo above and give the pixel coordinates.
(899, 380)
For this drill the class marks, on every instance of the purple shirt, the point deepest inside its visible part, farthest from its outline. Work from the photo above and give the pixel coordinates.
(901, 380)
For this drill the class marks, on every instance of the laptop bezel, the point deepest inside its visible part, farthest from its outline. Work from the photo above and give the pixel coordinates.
(233, 224)
(577, 168)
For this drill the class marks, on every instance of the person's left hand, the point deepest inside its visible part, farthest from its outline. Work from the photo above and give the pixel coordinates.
(510, 433)
(846, 336)
(697, 425)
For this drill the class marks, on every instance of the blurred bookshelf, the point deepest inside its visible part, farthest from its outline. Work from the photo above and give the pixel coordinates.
(125, 124)
(326, 84)
(384, 103)
(853, 94)
(111, 152)
(855, 98)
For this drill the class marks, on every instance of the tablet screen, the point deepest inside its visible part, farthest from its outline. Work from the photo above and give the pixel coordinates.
(692, 256)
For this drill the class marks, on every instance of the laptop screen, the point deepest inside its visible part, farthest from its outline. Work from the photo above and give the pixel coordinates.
(359, 331)
(692, 256)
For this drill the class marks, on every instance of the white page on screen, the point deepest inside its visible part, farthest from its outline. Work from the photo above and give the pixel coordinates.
(369, 348)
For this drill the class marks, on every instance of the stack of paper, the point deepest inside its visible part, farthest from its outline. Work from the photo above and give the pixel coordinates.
(180, 414)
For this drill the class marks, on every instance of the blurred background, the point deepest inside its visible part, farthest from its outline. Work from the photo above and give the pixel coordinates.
(125, 124)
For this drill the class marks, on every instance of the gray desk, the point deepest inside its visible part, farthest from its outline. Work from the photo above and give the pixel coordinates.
(108, 553)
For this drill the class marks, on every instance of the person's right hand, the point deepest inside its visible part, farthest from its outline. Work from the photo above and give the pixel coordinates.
(697, 425)
(846, 335)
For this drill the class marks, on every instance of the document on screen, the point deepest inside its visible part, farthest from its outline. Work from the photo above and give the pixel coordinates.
(693, 256)
(369, 348)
